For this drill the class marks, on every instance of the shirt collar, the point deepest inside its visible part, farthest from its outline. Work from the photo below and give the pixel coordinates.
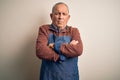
(54, 28)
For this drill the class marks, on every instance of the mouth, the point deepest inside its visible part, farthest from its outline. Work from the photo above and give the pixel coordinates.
(60, 21)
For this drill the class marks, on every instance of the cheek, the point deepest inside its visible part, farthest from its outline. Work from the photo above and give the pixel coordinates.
(66, 20)
(54, 18)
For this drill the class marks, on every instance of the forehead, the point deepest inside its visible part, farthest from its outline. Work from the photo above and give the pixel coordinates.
(61, 8)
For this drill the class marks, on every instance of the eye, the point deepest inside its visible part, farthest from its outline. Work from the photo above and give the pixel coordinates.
(64, 14)
(56, 13)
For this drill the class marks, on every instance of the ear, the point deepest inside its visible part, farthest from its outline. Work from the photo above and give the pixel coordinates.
(69, 17)
(51, 15)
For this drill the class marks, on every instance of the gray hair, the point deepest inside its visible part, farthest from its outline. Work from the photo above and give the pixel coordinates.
(58, 4)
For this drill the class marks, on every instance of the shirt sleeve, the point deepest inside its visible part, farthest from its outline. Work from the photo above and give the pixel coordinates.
(73, 50)
(42, 49)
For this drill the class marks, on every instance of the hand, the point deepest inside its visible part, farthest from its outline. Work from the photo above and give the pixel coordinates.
(51, 45)
(74, 42)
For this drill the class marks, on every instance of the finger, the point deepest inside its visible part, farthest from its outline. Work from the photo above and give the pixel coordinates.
(76, 42)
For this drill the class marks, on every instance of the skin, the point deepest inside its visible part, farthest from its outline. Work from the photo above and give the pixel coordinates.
(60, 17)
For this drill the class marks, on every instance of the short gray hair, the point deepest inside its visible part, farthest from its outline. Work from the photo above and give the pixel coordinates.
(58, 4)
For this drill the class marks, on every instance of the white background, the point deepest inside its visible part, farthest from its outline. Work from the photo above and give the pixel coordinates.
(97, 20)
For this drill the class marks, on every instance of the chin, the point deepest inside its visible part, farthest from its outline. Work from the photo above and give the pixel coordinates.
(61, 26)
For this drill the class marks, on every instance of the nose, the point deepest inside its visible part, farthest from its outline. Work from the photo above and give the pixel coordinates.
(60, 15)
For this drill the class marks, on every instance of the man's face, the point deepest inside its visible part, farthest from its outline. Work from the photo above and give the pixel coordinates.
(60, 16)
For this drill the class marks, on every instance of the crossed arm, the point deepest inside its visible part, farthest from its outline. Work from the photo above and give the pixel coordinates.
(45, 51)
(73, 42)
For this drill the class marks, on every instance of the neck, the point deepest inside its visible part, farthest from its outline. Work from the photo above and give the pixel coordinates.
(60, 28)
